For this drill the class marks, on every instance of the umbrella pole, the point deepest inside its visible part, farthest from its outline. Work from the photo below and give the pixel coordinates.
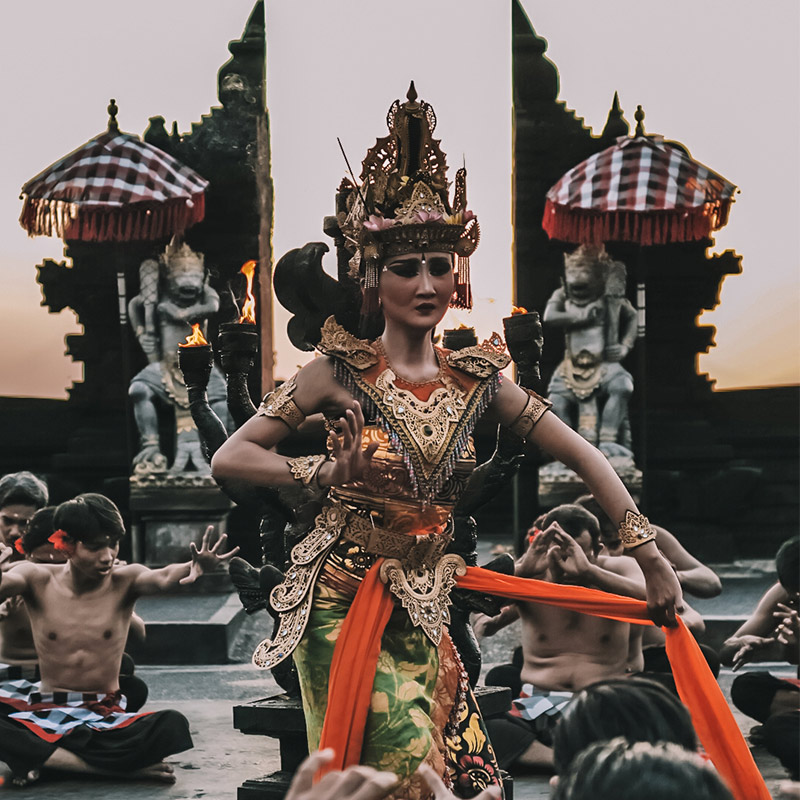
(641, 306)
(122, 296)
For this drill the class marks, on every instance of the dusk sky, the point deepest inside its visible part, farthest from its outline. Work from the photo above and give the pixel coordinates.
(721, 76)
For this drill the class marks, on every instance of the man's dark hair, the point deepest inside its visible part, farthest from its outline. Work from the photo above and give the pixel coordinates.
(574, 520)
(621, 770)
(22, 488)
(636, 708)
(89, 516)
(787, 563)
(40, 529)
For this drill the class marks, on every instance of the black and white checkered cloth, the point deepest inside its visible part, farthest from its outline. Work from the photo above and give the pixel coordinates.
(115, 187)
(640, 189)
(51, 715)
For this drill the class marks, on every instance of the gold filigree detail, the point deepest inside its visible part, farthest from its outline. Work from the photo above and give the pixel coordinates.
(306, 468)
(338, 342)
(423, 198)
(425, 593)
(280, 405)
(430, 423)
(531, 414)
(328, 525)
(635, 530)
(270, 652)
(481, 360)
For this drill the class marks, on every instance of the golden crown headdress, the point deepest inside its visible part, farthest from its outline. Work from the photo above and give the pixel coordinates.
(402, 203)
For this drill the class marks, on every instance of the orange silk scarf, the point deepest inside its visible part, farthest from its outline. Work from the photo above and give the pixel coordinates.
(358, 646)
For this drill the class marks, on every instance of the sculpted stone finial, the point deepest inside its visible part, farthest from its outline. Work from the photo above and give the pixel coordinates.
(112, 109)
(639, 117)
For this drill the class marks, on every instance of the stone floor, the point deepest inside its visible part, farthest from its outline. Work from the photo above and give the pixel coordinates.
(222, 757)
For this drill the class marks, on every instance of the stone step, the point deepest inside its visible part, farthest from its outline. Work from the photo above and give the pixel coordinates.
(196, 629)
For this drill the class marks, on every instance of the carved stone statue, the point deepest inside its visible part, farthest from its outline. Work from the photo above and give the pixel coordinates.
(174, 293)
(590, 389)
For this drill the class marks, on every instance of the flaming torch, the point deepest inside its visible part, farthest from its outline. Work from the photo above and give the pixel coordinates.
(248, 314)
(195, 338)
(195, 360)
(524, 339)
(459, 338)
(238, 344)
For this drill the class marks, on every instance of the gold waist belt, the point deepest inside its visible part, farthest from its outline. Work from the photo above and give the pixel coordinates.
(413, 551)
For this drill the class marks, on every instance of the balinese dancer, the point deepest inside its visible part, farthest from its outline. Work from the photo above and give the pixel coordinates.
(400, 413)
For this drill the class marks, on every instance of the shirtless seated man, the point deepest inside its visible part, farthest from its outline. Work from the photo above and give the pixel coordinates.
(563, 651)
(772, 633)
(695, 578)
(17, 648)
(74, 719)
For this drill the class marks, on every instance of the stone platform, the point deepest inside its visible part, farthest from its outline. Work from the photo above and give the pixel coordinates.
(190, 628)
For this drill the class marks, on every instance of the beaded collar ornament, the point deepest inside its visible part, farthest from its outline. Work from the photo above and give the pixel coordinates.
(402, 203)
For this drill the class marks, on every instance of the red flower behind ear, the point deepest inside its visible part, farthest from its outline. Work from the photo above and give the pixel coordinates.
(62, 542)
(19, 547)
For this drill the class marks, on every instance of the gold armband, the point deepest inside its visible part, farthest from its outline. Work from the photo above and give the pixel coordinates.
(279, 404)
(635, 530)
(306, 470)
(531, 414)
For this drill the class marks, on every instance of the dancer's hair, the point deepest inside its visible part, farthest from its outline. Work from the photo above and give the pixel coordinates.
(637, 708)
(621, 770)
(574, 520)
(22, 488)
(89, 516)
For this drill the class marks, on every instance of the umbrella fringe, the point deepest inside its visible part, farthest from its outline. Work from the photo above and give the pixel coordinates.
(70, 221)
(645, 228)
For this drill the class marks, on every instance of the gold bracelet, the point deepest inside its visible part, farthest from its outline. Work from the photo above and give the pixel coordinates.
(635, 530)
(280, 405)
(306, 469)
(534, 410)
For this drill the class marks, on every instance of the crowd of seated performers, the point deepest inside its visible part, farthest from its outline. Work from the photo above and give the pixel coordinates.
(593, 697)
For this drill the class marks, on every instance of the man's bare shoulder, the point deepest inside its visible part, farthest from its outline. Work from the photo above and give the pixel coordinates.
(34, 573)
(621, 565)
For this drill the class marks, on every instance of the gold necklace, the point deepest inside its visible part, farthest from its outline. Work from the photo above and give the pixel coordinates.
(378, 345)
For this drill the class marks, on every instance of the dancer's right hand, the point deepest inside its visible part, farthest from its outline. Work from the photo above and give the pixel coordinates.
(350, 458)
(353, 783)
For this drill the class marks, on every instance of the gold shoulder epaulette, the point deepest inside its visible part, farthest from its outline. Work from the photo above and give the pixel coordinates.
(339, 343)
(481, 360)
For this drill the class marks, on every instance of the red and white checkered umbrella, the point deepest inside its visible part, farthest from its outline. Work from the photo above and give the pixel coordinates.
(114, 188)
(642, 190)
(645, 191)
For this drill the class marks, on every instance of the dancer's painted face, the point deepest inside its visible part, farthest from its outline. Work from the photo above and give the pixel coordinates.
(415, 288)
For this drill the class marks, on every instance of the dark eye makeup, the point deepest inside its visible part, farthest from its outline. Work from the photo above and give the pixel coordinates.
(410, 268)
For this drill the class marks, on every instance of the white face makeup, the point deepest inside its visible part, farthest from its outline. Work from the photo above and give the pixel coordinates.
(415, 288)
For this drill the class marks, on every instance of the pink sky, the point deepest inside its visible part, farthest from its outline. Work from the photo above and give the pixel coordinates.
(722, 77)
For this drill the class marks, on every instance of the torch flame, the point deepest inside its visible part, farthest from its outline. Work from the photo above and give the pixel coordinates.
(249, 308)
(518, 310)
(195, 339)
